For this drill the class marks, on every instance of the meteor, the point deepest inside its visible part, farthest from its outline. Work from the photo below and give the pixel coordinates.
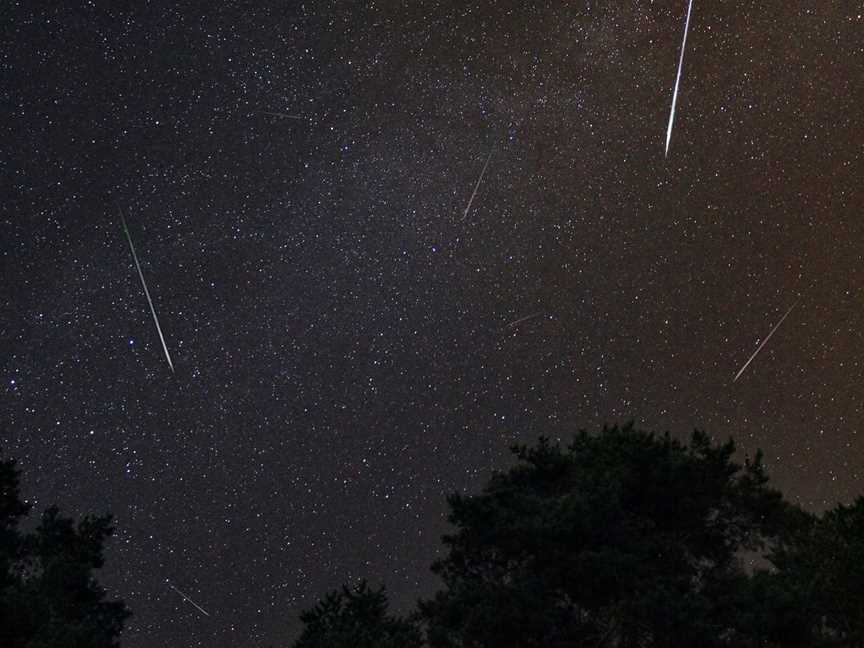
(764, 342)
(678, 78)
(146, 292)
(189, 600)
(477, 186)
(523, 319)
(279, 114)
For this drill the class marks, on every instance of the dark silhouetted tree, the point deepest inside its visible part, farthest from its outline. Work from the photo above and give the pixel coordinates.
(621, 539)
(356, 618)
(49, 597)
(822, 569)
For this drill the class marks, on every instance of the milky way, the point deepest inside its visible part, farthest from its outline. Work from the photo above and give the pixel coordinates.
(337, 328)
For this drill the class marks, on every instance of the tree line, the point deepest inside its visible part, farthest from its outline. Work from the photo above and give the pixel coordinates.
(624, 539)
(619, 539)
(49, 597)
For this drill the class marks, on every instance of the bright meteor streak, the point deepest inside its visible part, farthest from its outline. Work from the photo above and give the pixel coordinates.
(189, 600)
(147, 293)
(678, 78)
(764, 342)
(477, 186)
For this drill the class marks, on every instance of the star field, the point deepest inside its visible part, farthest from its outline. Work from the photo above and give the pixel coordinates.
(295, 178)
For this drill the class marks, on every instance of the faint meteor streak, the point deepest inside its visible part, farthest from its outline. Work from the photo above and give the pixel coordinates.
(523, 319)
(279, 114)
(678, 78)
(147, 292)
(189, 600)
(764, 342)
(477, 186)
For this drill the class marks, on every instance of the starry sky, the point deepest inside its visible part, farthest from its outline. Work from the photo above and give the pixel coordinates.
(346, 339)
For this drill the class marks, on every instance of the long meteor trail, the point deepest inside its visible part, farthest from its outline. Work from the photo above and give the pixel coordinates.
(189, 600)
(477, 186)
(147, 293)
(764, 342)
(678, 78)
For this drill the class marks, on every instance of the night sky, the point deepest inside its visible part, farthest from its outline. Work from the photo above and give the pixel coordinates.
(345, 338)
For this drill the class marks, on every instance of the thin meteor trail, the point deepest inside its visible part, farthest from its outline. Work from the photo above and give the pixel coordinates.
(189, 600)
(477, 186)
(764, 342)
(678, 79)
(147, 293)
(279, 114)
(523, 319)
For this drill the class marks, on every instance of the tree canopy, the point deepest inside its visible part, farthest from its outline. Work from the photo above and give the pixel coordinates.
(623, 539)
(356, 618)
(822, 570)
(620, 539)
(49, 596)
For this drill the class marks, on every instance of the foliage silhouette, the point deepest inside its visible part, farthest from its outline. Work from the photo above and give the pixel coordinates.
(822, 567)
(356, 618)
(622, 539)
(627, 539)
(49, 597)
